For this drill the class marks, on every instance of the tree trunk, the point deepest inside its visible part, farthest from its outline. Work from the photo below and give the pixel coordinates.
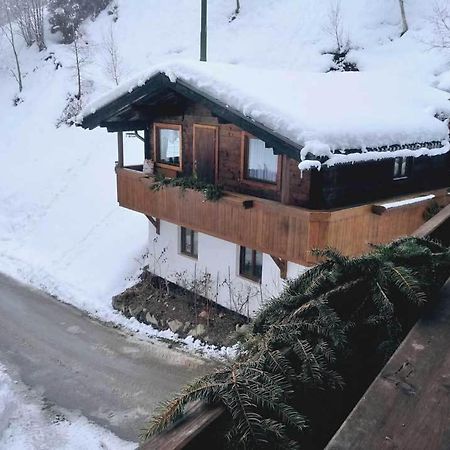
(404, 21)
(10, 37)
(77, 66)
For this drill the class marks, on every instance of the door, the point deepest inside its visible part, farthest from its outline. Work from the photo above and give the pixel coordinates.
(205, 152)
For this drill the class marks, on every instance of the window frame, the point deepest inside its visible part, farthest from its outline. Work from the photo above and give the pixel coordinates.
(273, 185)
(156, 145)
(194, 253)
(407, 161)
(250, 276)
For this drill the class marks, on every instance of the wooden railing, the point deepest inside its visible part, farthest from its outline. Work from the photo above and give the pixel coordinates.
(286, 232)
(185, 431)
(408, 405)
(438, 225)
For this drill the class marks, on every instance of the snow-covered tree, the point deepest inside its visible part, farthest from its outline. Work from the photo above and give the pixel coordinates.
(29, 15)
(8, 31)
(67, 15)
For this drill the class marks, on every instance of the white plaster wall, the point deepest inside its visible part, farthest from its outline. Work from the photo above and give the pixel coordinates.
(220, 259)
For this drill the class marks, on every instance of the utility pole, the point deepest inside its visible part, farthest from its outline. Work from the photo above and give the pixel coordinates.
(204, 31)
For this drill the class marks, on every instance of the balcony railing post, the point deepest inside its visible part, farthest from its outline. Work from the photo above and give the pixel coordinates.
(120, 148)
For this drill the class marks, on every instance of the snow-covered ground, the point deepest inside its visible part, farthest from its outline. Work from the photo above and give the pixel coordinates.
(28, 423)
(60, 226)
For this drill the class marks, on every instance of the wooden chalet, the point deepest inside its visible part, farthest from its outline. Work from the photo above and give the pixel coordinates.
(192, 123)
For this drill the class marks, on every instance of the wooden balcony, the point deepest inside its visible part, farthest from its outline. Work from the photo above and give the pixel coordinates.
(279, 230)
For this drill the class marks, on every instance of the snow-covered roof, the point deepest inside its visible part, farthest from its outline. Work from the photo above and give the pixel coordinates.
(326, 113)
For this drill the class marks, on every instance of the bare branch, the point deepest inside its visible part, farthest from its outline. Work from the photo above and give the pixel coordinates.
(336, 28)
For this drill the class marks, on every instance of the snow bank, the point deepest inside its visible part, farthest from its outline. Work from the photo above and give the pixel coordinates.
(338, 110)
(27, 424)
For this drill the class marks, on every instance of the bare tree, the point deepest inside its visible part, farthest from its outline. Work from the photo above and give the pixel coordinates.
(113, 62)
(441, 25)
(29, 15)
(80, 57)
(9, 32)
(403, 14)
(23, 18)
(37, 22)
(336, 28)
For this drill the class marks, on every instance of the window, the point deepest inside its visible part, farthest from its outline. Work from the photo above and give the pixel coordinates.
(168, 144)
(250, 264)
(260, 162)
(189, 242)
(401, 168)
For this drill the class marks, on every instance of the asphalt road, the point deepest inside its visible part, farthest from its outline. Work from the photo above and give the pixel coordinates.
(83, 365)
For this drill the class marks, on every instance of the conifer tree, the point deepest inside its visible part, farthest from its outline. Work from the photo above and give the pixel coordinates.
(314, 349)
(67, 15)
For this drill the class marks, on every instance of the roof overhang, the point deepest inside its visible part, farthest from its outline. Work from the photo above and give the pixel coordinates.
(109, 116)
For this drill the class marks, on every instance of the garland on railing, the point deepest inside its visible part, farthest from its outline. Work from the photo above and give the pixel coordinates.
(211, 192)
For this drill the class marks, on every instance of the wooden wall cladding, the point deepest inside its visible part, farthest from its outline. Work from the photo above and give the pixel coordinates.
(287, 232)
(350, 184)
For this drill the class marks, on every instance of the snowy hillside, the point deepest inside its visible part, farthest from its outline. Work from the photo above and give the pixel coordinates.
(60, 226)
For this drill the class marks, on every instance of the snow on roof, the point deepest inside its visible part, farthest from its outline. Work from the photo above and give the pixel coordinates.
(324, 112)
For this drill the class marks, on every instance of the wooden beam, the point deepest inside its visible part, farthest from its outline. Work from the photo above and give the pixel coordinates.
(156, 223)
(124, 125)
(434, 223)
(120, 149)
(282, 265)
(183, 432)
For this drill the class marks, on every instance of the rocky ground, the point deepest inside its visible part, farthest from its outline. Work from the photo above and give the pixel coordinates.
(164, 305)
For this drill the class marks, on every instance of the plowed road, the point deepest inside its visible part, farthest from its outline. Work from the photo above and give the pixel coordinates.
(82, 365)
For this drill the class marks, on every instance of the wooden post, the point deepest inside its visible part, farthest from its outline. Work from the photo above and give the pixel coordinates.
(120, 148)
(204, 31)
(285, 181)
(147, 148)
(156, 223)
(282, 265)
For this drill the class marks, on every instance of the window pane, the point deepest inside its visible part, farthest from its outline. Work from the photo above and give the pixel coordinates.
(396, 167)
(195, 243)
(188, 248)
(403, 172)
(169, 146)
(262, 163)
(189, 242)
(250, 264)
(400, 167)
(257, 270)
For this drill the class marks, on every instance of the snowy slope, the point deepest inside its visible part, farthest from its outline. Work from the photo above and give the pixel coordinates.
(60, 226)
